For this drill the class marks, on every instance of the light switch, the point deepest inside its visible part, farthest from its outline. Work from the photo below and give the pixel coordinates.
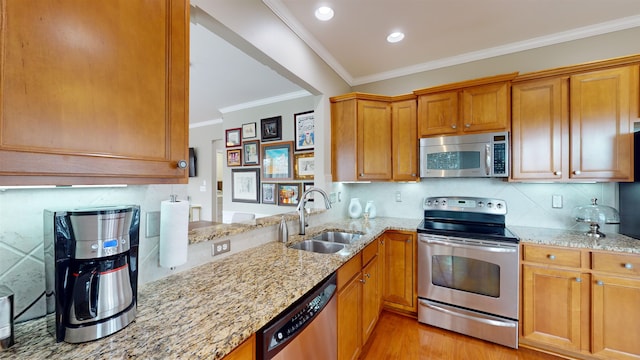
(556, 202)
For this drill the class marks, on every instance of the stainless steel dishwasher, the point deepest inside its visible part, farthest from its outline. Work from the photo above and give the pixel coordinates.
(305, 330)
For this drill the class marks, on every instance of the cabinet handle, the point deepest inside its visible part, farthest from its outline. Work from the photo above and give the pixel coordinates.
(182, 164)
(557, 173)
(578, 280)
(551, 257)
(599, 283)
(577, 172)
(628, 266)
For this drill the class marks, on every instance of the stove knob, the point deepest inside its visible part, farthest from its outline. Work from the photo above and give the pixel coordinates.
(480, 204)
(489, 205)
(428, 202)
(499, 205)
(444, 202)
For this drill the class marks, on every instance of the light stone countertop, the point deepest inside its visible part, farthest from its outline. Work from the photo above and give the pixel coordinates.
(205, 312)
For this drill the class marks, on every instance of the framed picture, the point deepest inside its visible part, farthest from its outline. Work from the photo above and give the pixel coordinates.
(233, 137)
(251, 152)
(304, 126)
(306, 186)
(269, 193)
(304, 165)
(277, 160)
(244, 185)
(234, 157)
(271, 128)
(288, 194)
(248, 131)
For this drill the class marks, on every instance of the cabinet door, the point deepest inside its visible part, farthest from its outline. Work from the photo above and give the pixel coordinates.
(486, 108)
(374, 140)
(370, 298)
(244, 351)
(405, 140)
(539, 126)
(552, 306)
(349, 320)
(615, 317)
(601, 123)
(438, 113)
(399, 271)
(92, 94)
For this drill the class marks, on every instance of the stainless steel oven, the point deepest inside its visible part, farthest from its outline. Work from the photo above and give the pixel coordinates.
(468, 273)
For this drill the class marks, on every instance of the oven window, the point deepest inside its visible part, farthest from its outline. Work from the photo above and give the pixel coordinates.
(466, 274)
(453, 160)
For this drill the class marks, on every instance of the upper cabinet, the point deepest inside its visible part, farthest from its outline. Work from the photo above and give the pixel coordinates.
(481, 105)
(575, 123)
(93, 95)
(373, 137)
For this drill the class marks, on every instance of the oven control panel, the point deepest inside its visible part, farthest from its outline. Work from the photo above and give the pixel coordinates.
(468, 204)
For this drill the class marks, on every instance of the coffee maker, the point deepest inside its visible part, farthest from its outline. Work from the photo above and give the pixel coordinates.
(91, 271)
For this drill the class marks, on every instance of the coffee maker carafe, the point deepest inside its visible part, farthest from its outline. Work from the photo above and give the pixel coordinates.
(91, 271)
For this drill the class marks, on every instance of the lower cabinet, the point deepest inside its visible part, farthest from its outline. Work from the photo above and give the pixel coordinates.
(244, 351)
(579, 302)
(399, 290)
(359, 299)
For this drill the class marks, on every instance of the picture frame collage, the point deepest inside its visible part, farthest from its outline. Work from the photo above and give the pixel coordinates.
(267, 169)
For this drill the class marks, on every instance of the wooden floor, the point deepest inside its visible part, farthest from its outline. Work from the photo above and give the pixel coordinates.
(400, 337)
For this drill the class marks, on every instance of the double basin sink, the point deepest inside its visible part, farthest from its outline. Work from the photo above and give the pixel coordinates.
(327, 242)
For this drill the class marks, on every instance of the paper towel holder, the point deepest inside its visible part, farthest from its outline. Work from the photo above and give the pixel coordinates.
(173, 198)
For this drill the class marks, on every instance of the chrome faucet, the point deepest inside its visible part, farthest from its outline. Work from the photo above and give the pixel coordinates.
(303, 202)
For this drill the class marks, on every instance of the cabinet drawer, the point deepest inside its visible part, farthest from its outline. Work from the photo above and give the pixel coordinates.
(552, 256)
(348, 270)
(616, 263)
(369, 252)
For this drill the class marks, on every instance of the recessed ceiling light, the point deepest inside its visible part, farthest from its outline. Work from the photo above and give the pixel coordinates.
(324, 13)
(395, 37)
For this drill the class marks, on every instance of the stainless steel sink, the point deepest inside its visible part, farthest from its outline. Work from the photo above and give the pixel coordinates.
(323, 247)
(338, 237)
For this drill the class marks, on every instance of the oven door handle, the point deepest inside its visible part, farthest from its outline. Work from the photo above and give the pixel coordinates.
(491, 322)
(481, 248)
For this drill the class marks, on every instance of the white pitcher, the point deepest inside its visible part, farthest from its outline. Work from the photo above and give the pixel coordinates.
(355, 209)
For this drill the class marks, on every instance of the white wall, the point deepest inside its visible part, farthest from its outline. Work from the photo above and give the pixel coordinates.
(201, 138)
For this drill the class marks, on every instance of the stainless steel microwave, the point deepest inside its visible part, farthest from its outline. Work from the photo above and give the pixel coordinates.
(474, 155)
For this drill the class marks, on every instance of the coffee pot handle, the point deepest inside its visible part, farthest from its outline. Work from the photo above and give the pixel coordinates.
(85, 295)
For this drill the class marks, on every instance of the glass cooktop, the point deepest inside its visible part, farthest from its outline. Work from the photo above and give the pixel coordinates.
(467, 230)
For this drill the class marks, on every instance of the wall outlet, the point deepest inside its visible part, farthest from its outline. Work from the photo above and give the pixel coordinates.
(220, 247)
(398, 196)
(556, 201)
(153, 224)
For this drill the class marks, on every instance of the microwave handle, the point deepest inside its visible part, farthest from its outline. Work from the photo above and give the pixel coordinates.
(487, 159)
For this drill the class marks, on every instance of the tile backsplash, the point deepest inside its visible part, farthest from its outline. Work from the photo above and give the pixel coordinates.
(21, 218)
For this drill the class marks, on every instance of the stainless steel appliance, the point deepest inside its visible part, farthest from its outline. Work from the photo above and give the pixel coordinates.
(6, 318)
(468, 272)
(629, 195)
(91, 271)
(306, 330)
(474, 155)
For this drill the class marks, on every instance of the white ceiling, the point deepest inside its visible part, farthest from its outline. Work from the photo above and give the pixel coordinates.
(438, 33)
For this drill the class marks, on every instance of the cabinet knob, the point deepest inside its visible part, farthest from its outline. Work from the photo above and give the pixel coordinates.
(413, 175)
(467, 125)
(628, 266)
(368, 275)
(408, 241)
(454, 126)
(599, 283)
(578, 280)
(182, 164)
(363, 281)
(557, 173)
(577, 172)
(361, 174)
(551, 257)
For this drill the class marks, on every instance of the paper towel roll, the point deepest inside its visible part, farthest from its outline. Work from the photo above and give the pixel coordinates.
(174, 233)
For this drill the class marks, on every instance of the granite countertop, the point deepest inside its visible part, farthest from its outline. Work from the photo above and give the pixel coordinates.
(576, 239)
(205, 312)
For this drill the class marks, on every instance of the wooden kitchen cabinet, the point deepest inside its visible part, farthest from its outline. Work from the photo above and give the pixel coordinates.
(399, 284)
(578, 302)
(93, 95)
(474, 106)
(358, 301)
(244, 351)
(575, 123)
(404, 129)
(374, 137)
